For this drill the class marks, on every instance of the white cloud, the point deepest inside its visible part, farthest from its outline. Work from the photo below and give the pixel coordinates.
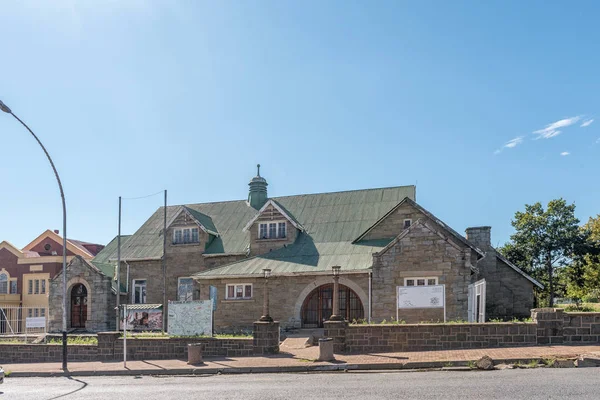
(552, 129)
(587, 122)
(510, 144)
(565, 153)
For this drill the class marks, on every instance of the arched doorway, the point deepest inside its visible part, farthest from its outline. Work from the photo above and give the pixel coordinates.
(78, 306)
(318, 306)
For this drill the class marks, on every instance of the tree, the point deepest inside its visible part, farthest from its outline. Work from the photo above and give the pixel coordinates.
(583, 275)
(544, 240)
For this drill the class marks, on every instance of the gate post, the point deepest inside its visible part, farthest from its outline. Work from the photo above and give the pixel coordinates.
(337, 331)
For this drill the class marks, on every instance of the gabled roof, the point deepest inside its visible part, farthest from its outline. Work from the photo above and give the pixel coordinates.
(429, 215)
(518, 270)
(326, 218)
(10, 247)
(103, 263)
(443, 233)
(74, 248)
(279, 208)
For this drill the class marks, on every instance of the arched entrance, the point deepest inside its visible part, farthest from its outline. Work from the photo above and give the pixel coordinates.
(318, 306)
(78, 306)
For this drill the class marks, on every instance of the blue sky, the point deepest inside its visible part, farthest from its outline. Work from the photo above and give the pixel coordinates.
(473, 102)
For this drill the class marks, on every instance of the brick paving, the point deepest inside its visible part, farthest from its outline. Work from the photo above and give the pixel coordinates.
(303, 357)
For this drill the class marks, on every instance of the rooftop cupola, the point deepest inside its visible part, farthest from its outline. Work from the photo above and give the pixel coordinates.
(258, 190)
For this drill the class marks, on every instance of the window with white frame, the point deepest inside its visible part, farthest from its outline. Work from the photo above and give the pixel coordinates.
(186, 235)
(421, 281)
(3, 283)
(139, 291)
(30, 286)
(43, 290)
(239, 291)
(272, 230)
(13, 286)
(407, 223)
(185, 289)
(42, 312)
(37, 286)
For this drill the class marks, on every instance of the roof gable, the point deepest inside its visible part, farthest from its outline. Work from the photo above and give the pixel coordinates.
(518, 270)
(286, 214)
(77, 250)
(11, 248)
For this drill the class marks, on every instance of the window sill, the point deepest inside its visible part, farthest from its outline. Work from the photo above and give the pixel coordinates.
(239, 301)
(272, 240)
(185, 244)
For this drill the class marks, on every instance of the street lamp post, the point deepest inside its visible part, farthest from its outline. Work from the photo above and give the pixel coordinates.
(335, 316)
(266, 317)
(6, 109)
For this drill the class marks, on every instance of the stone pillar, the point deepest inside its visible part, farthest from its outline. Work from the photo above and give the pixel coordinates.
(106, 345)
(337, 331)
(550, 323)
(266, 337)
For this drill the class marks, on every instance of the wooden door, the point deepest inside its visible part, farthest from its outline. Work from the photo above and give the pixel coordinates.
(78, 306)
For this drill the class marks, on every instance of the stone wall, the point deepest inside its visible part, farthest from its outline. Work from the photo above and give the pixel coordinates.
(508, 293)
(423, 252)
(286, 297)
(393, 224)
(549, 326)
(36, 353)
(100, 299)
(425, 337)
(262, 246)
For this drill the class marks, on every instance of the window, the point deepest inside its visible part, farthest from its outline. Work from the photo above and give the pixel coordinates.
(3, 284)
(36, 312)
(407, 223)
(43, 291)
(427, 281)
(139, 291)
(186, 235)
(185, 289)
(42, 312)
(263, 231)
(37, 286)
(272, 230)
(29, 286)
(281, 229)
(13, 286)
(239, 291)
(30, 313)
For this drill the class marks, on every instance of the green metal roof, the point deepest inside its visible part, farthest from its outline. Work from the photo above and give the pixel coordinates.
(102, 259)
(331, 222)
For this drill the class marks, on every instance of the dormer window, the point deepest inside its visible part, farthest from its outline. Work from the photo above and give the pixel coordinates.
(186, 235)
(272, 230)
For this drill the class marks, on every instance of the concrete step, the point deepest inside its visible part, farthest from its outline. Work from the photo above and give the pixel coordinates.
(297, 342)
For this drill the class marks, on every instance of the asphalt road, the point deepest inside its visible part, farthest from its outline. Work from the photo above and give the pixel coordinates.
(508, 384)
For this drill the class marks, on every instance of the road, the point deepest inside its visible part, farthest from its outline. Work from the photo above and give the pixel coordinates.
(508, 384)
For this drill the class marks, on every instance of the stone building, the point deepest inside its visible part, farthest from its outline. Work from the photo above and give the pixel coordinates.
(381, 238)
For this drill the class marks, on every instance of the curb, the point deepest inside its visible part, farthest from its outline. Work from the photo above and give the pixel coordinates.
(461, 365)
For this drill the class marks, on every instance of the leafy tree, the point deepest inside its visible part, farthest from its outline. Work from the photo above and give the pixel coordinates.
(545, 239)
(583, 275)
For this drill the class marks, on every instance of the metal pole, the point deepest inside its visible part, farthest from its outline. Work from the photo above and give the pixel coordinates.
(119, 267)
(266, 317)
(125, 335)
(164, 265)
(6, 109)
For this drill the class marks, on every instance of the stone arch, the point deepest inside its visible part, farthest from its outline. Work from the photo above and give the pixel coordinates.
(70, 284)
(324, 280)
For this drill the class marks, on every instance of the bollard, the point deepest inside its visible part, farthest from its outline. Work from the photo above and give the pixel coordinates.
(194, 353)
(326, 349)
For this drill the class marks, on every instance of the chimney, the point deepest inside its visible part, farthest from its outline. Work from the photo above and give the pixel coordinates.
(258, 190)
(481, 237)
(56, 231)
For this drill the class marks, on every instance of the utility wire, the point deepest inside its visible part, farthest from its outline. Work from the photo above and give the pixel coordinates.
(143, 197)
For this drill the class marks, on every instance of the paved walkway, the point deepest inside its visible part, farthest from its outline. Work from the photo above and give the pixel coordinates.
(302, 360)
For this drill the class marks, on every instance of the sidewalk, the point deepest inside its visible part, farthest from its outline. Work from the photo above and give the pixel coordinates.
(302, 360)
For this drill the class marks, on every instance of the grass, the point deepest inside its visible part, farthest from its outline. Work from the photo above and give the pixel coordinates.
(75, 340)
(583, 307)
(162, 335)
(548, 362)
(471, 364)
(533, 364)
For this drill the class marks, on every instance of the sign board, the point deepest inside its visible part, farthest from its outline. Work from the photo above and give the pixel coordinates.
(35, 322)
(421, 296)
(190, 318)
(213, 297)
(143, 317)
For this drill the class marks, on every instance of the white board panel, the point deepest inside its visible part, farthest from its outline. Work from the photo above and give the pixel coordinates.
(421, 296)
(192, 318)
(35, 322)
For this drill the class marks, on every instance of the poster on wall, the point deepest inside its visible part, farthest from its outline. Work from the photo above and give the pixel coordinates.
(143, 317)
(421, 296)
(190, 318)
